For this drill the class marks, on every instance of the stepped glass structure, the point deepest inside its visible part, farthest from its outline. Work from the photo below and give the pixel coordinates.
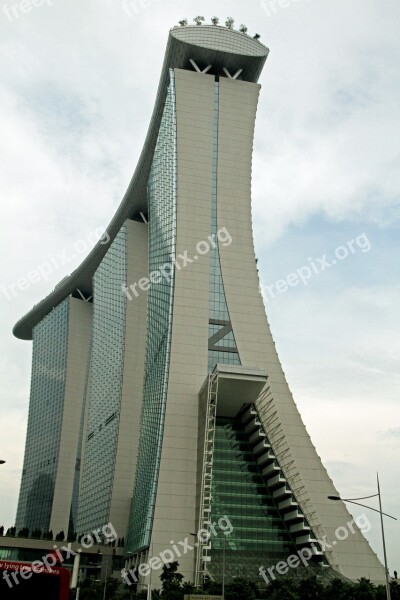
(158, 402)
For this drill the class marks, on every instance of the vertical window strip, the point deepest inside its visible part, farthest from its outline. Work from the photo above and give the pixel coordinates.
(218, 305)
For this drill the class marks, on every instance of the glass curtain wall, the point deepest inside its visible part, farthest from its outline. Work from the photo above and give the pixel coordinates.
(239, 491)
(221, 343)
(106, 371)
(49, 362)
(162, 234)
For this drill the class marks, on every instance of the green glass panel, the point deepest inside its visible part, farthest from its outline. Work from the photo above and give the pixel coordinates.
(161, 194)
(259, 535)
(106, 371)
(217, 300)
(49, 359)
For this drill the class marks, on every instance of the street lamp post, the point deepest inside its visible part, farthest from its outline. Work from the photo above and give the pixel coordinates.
(383, 540)
(105, 581)
(223, 567)
(223, 564)
(148, 586)
(381, 513)
(98, 565)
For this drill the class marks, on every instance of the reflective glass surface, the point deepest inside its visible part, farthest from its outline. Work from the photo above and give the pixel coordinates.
(162, 225)
(218, 306)
(73, 519)
(49, 361)
(259, 535)
(106, 370)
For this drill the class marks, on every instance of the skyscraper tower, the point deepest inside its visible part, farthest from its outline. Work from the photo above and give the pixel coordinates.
(181, 414)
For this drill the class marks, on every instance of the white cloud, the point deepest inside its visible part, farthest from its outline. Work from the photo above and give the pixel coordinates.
(324, 130)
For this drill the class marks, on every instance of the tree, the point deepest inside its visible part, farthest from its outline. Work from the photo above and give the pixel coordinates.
(311, 589)
(36, 534)
(2, 530)
(60, 536)
(364, 590)
(394, 590)
(283, 589)
(338, 590)
(188, 588)
(183, 22)
(198, 20)
(215, 20)
(380, 593)
(243, 28)
(171, 582)
(23, 533)
(91, 590)
(241, 589)
(123, 593)
(112, 585)
(11, 531)
(47, 535)
(72, 535)
(229, 22)
(212, 588)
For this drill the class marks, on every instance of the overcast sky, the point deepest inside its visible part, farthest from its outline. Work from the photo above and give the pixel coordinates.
(78, 83)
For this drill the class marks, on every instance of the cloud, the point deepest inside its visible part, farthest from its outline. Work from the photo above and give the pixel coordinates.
(392, 434)
(324, 132)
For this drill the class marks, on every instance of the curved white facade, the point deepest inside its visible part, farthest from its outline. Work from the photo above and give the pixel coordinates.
(198, 382)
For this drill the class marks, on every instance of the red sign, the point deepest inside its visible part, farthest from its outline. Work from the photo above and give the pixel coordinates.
(21, 580)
